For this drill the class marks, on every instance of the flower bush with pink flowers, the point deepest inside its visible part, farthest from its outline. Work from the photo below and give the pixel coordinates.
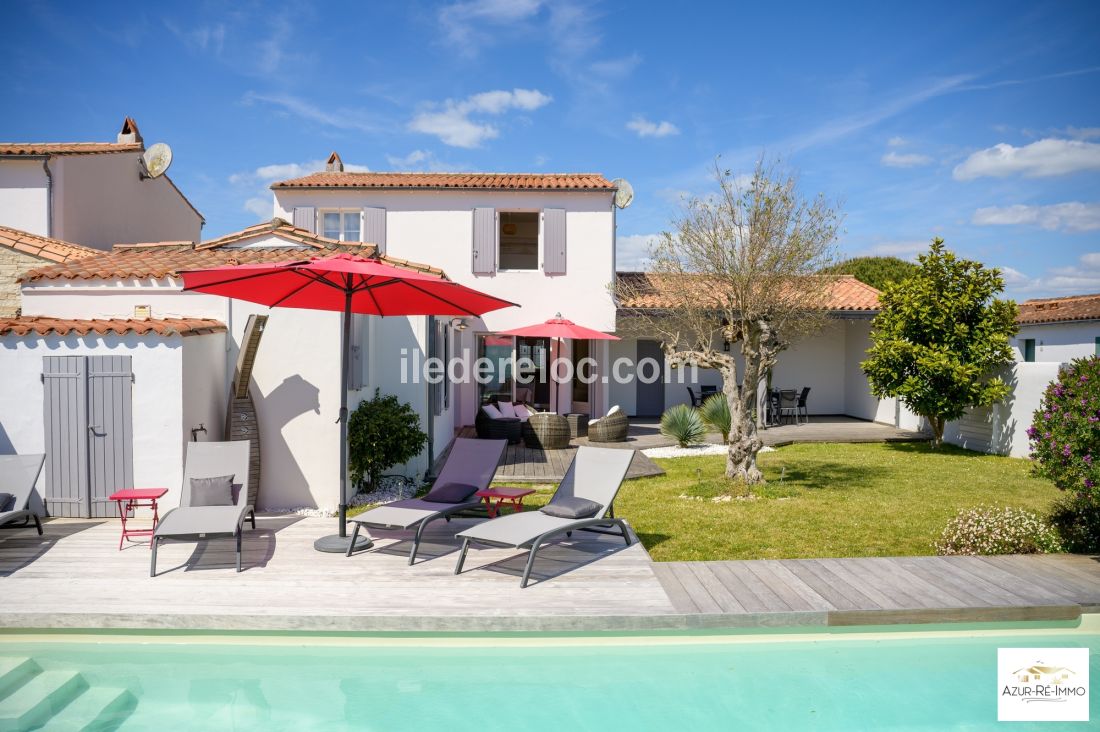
(1065, 431)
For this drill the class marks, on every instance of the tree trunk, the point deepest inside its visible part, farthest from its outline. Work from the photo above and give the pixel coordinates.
(937, 424)
(744, 442)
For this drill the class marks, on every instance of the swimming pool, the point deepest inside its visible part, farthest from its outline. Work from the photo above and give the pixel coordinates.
(900, 679)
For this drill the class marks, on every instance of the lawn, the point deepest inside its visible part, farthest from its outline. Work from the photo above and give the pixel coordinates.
(821, 500)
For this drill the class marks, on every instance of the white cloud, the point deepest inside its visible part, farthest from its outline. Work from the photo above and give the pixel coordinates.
(1040, 159)
(1078, 279)
(632, 251)
(451, 121)
(904, 160)
(255, 182)
(1013, 277)
(897, 142)
(262, 208)
(903, 249)
(420, 160)
(1073, 216)
(644, 128)
(341, 119)
(465, 24)
(203, 38)
(1083, 133)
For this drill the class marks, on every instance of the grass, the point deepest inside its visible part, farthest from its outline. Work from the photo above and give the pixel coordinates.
(821, 500)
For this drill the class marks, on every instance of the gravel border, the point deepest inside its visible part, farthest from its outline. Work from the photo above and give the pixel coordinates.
(675, 451)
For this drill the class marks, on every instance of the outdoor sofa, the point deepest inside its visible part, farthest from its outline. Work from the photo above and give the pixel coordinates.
(214, 497)
(582, 500)
(18, 474)
(470, 467)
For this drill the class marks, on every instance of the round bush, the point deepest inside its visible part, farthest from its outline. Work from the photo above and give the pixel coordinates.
(683, 424)
(992, 530)
(1065, 431)
(1077, 520)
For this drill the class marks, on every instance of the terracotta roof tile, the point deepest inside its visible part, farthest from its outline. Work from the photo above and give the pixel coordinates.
(461, 181)
(64, 326)
(68, 148)
(43, 247)
(168, 259)
(846, 295)
(1059, 309)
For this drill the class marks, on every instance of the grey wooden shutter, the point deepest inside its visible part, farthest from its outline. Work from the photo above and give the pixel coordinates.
(305, 218)
(110, 430)
(65, 417)
(553, 241)
(485, 240)
(374, 228)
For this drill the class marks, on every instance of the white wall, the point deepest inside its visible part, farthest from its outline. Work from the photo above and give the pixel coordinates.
(157, 399)
(858, 400)
(1059, 342)
(624, 394)
(1002, 429)
(204, 384)
(100, 201)
(24, 198)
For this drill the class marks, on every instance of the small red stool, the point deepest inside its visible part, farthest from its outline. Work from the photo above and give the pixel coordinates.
(512, 495)
(130, 498)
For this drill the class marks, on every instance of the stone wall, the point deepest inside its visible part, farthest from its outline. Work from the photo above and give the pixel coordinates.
(12, 265)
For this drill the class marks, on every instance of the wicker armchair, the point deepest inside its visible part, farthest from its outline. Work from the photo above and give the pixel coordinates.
(612, 428)
(544, 431)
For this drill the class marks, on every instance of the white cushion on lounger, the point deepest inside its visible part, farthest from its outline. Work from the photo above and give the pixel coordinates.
(507, 409)
(594, 421)
(492, 411)
(613, 410)
(522, 412)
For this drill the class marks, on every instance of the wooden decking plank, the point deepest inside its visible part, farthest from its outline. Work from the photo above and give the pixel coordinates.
(672, 586)
(1038, 585)
(843, 571)
(1066, 575)
(1086, 570)
(790, 588)
(758, 597)
(723, 595)
(897, 579)
(961, 584)
(695, 588)
(943, 596)
(972, 572)
(834, 590)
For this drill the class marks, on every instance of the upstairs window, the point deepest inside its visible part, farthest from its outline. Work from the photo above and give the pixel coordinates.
(519, 240)
(340, 225)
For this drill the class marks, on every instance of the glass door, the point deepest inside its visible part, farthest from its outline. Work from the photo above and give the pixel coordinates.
(533, 372)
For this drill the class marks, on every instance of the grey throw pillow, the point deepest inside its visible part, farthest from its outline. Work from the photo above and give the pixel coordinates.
(5, 499)
(212, 491)
(571, 508)
(450, 493)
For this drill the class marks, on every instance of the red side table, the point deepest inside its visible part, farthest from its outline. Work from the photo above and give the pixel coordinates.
(512, 495)
(130, 498)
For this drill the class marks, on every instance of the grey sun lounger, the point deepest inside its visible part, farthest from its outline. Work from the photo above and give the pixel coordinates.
(18, 474)
(596, 474)
(473, 462)
(208, 460)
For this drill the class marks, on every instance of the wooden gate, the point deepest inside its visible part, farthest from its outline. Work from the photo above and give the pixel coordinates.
(88, 418)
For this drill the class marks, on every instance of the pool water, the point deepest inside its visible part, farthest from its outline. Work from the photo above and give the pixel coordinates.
(840, 681)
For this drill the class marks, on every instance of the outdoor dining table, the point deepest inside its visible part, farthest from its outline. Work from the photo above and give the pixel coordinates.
(130, 498)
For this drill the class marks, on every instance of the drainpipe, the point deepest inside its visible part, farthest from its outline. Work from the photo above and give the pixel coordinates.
(49, 196)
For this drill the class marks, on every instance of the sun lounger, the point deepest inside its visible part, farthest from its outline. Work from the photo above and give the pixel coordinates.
(190, 520)
(470, 463)
(18, 474)
(595, 475)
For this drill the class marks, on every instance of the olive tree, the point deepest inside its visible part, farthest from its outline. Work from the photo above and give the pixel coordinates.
(940, 337)
(739, 266)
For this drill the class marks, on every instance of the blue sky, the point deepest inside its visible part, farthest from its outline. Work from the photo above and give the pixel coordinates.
(978, 122)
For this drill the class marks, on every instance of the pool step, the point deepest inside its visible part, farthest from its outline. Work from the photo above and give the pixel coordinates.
(98, 709)
(14, 672)
(43, 695)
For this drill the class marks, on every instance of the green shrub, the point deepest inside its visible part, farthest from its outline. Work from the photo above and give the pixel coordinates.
(991, 530)
(1077, 520)
(382, 432)
(1065, 431)
(716, 414)
(683, 424)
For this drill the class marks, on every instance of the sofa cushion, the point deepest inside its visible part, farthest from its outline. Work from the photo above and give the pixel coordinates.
(571, 507)
(450, 493)
(492, 411)
(523, 412)
(507, 409)
(212, 491)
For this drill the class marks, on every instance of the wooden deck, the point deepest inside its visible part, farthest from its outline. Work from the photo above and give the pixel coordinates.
(888, 589)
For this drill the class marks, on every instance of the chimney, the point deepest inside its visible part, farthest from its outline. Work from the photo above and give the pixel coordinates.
(129, 133)
(334, 164)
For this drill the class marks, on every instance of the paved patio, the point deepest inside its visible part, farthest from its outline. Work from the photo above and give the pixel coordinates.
(75, 577)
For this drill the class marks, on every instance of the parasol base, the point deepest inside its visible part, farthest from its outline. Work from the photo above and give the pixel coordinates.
(339, 544)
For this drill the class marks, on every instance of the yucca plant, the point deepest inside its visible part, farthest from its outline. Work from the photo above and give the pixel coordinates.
(683, 424)
(716, 414)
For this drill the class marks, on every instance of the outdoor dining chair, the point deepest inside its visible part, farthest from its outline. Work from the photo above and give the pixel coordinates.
(695, 400)
(788, 404)
(801, 407)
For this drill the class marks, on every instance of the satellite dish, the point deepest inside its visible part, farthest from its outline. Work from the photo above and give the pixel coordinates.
(625, 194)
(155, 160)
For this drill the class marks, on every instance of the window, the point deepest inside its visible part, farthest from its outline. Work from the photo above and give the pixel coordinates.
(1096, 345)
(1028, 349)
(340, 225)
(519, 240)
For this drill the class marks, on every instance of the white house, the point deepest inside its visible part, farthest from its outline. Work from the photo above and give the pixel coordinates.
(1058, 329)
(92, 193)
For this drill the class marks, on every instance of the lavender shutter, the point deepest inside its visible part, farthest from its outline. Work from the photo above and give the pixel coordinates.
(374, 228)
(485, 241)
(304, 217)
(553, 241)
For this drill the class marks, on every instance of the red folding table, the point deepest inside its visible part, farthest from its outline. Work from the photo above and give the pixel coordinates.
(130, 498)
